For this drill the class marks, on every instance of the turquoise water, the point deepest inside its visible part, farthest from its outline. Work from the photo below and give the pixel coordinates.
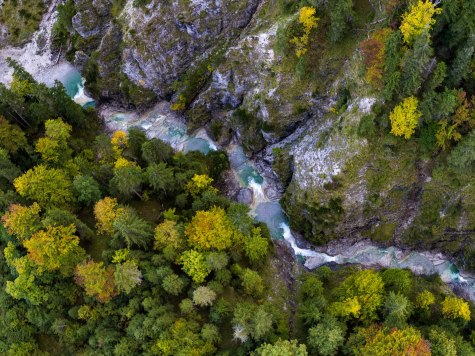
(74, 85)
(247, 173)
(72, 82)
(270, 212)
(272, 215)
(91, 104)
(197, 144)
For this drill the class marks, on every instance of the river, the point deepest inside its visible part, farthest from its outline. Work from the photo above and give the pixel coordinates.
(167, 125)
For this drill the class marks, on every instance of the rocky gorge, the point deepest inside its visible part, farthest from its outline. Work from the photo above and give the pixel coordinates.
(220, 67)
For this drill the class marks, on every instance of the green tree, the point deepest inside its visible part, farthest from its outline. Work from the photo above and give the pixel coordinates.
(8, 170)
(173, 284)
(25, 285)
(413, 64)
(86, 189)
(256, 247)
(161, 178)
(127, 276)
(441, 344)
(281, 348)
(397, 280)
(397, 310)
(127, 180)
(132, 229)
(326, 337)
(340, 12)
(250, 320)
(462, 157)
(156, 151)
(217, 260)
(135, 139)
(210, 332)
(194, 265)
(252, 283)
(392, 60)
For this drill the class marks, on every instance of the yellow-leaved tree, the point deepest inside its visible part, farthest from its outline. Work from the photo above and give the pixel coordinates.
(210, 229)
(418, 20)
(309, 21)
(454, 308)
(119, 141)
(198, 184)
(106, 211)
(56, 248)
(405, 117)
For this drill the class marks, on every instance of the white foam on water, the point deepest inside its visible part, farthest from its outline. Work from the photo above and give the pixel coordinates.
(258, 195)
(289, 237)
(81, 98)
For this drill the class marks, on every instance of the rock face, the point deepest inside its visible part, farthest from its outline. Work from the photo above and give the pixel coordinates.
(230, 68)
(91, 17)
(162, 40)
(244, 196)
(149, 47)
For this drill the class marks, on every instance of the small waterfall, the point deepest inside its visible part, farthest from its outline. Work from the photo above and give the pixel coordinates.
(81, 98)
(167, 126)
(258, 193)
(289, 237)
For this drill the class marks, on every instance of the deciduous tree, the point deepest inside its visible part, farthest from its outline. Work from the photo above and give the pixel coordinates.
(127, 275)
(56, 248)
(309, 21)
(22, 221)
(375, 340)
(360, 295)
(106, 211)
(194, 265)
(281, 348)
(12, 138)
(418, 19)
(97, 280)
(405, 118)
(54, 147)
(203, 296)
(47, 186)
(326, 337)
(210, 230)
(455, 308)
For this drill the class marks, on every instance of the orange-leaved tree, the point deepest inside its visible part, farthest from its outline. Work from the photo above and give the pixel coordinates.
(97, 280)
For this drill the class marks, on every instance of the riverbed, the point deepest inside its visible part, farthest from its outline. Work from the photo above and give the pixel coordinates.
(162, 122)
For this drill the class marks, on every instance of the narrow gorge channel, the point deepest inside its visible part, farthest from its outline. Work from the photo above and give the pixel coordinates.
(163, 123)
